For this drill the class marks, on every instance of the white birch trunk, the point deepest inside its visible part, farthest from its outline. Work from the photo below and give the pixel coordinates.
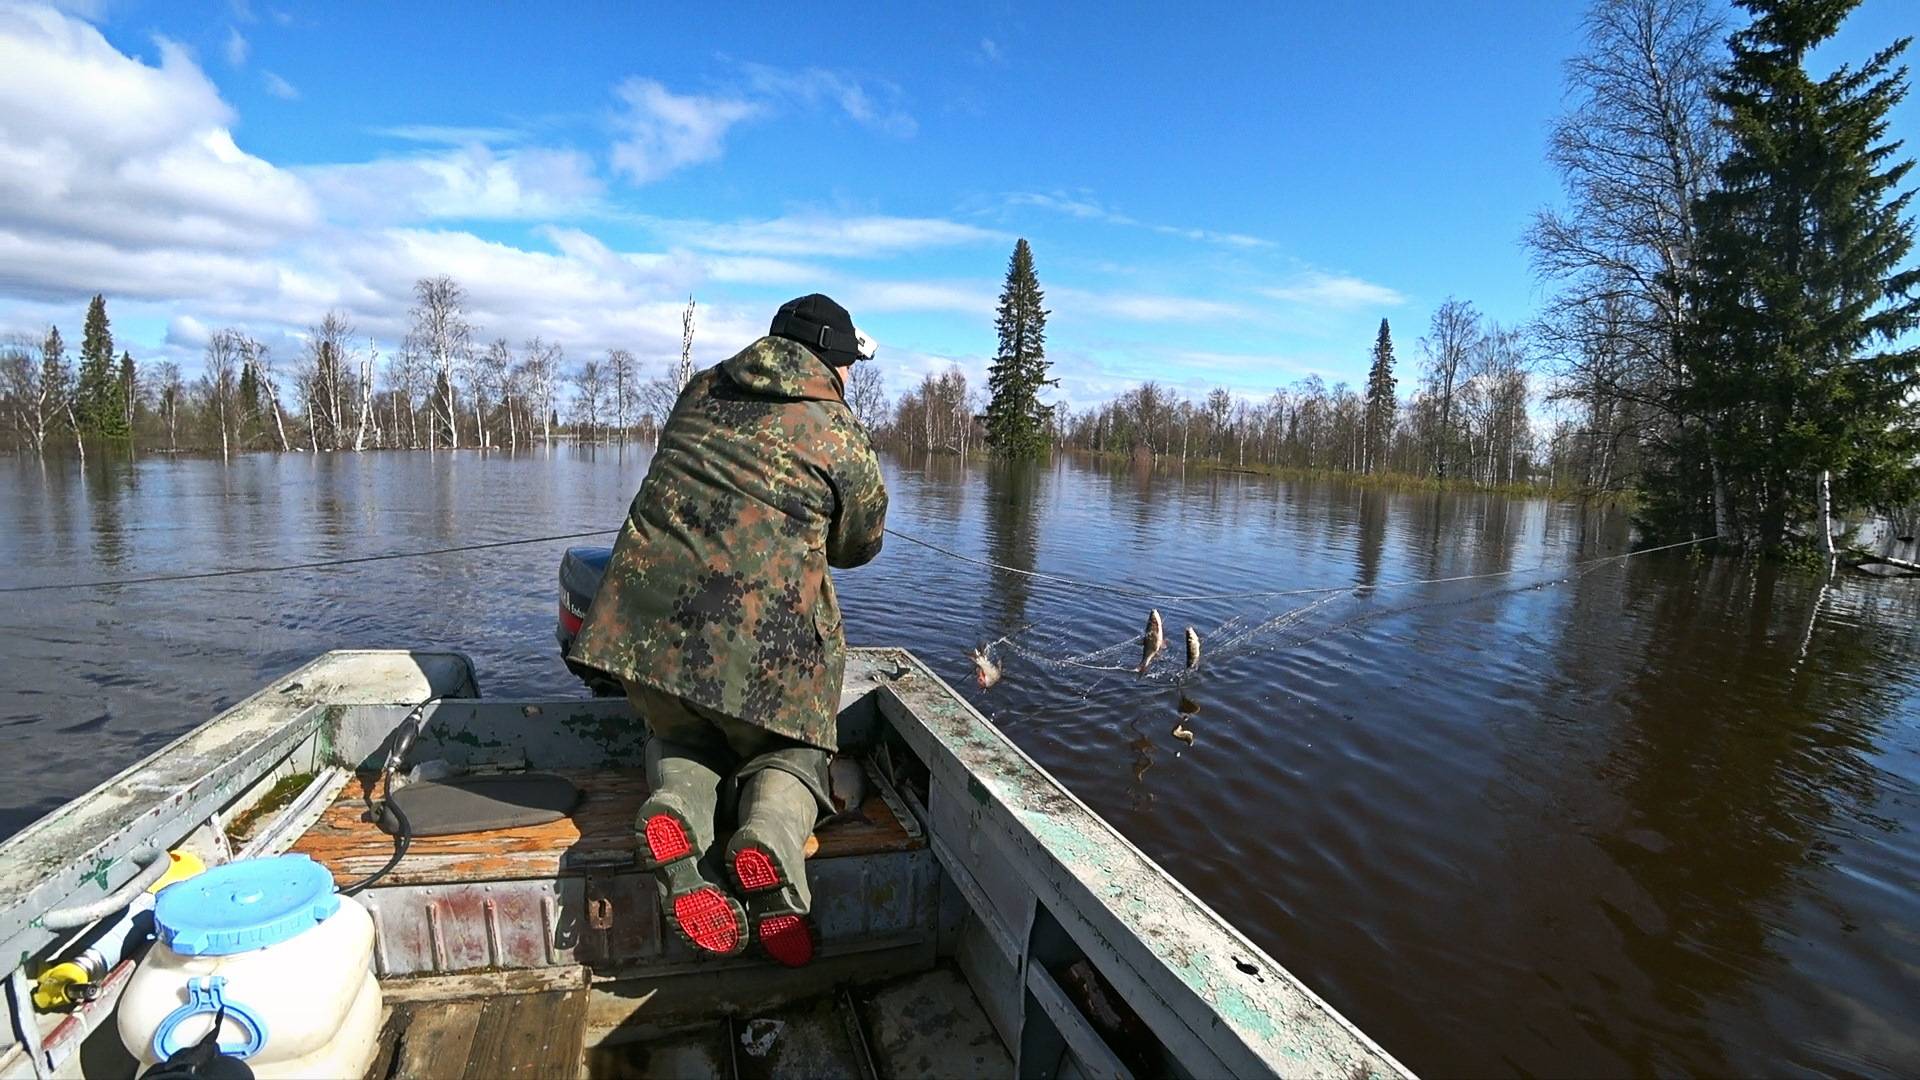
(366, 400)
(1826, 517)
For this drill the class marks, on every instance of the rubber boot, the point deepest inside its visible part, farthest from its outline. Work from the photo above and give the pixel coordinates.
(767, 857)
(675, 827)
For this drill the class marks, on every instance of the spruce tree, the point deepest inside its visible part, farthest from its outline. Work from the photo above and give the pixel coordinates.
(55, 376)
(1017, 422)
(1800, 280)
(1380, 400)
(129, 390)
(97, 398)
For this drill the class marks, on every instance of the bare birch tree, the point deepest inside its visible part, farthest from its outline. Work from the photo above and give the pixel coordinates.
(170, 391)
(25, 391)
(256, 355)
(542, 370)
(324, 380)
(1451, 339)
(405, 375)
(623, 386)
(684, 373)
(441, 332)
(1636, 149)
(367, 360)
(219, 385)
(489, 375)
(867, 395)
(589, 398)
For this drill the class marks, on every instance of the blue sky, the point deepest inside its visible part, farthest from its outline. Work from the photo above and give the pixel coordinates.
(1218, 197)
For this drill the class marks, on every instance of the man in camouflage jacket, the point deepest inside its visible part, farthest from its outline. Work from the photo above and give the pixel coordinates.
(718, 613)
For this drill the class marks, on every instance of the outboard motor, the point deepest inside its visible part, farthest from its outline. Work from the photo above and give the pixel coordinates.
(581, 569)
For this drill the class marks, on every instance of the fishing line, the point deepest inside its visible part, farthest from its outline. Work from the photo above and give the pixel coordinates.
(1139, 594)
(319, 564)
(1053, 579)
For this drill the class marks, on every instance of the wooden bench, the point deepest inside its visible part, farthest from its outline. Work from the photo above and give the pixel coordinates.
(596, 837)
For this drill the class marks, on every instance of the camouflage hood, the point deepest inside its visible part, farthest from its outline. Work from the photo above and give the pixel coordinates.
(778, 368)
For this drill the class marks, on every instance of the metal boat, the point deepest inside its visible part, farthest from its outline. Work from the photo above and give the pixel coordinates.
(975, 918)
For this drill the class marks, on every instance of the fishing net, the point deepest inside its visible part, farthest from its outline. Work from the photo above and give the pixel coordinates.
(1057, 643)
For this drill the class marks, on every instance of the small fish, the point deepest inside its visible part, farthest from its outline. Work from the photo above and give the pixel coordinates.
(1182, 732)
(1153, 642)
(984, 669)
(1193, 649)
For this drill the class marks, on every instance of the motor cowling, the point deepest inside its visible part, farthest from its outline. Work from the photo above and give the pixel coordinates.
(581, 570)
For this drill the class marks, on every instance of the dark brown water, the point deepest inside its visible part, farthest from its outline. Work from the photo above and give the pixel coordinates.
(1629, 817)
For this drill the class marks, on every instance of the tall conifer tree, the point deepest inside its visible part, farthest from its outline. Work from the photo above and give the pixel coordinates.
(1380, 400)
(1801, 295)
(129, 389)
(97, 404)
(55, 376)
(1017, 422)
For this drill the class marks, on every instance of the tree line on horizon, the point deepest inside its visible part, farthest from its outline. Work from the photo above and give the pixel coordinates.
(439, 389)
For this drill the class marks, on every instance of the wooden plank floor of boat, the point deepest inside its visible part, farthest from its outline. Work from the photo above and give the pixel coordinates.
(507, 1035)
(596, 836)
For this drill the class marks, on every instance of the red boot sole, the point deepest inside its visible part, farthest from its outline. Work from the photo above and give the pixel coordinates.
(788, 939)
(666, 840)
(708, 920)
(755, 870)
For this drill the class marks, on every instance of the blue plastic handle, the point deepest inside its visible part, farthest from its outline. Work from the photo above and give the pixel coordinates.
(205, 996)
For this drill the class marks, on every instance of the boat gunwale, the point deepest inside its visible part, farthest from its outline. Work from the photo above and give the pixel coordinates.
(1179, 957)
(83, 849)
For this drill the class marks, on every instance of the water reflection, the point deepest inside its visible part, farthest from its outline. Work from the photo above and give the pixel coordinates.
(1013, 539)
(1373, 533)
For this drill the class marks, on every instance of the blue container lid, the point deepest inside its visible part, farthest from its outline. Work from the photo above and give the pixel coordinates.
(244, 905)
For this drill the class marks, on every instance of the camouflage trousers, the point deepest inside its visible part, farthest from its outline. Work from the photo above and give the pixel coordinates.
(726, 745)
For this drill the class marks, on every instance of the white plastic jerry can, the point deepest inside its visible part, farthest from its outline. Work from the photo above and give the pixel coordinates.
(268, 943)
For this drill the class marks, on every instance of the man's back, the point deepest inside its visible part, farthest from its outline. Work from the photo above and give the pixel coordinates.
(718, 591)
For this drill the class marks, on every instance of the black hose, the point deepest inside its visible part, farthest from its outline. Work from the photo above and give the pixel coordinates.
(402, 839)
(386, 813)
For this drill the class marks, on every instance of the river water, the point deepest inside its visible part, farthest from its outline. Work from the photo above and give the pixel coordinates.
(1584, 817)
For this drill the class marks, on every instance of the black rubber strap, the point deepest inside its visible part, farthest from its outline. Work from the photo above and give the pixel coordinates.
(816, 334)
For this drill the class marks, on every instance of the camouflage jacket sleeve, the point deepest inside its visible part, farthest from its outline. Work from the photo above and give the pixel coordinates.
(859, 518)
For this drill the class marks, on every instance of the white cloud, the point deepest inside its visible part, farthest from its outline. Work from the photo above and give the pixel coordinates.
(1145, 307)
(873, 236)
(102, 147)
(236, 47)
(991, 53)
(279, 87)
(1334, 291)
(1088, 209)
(473, 182)
(662, 132)
(875, 104)
(1228, 239)
(187, 332)
(892, 296)
(760, 270)
(1268, 367)
(450, 135)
